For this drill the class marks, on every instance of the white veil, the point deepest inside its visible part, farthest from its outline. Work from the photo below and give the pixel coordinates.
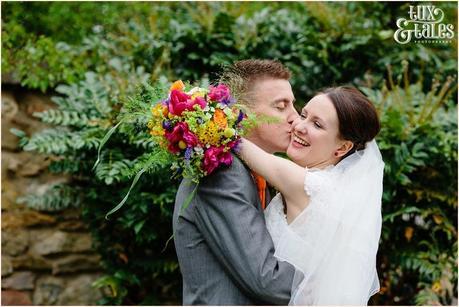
(334, 241)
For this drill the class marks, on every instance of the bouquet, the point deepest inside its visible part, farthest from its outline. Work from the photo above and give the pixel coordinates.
(192, 128)
(198, 127)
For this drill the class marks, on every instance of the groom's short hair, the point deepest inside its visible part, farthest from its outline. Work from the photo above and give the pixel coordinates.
(242, 75)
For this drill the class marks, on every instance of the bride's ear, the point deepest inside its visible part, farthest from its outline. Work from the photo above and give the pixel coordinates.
(344, 149)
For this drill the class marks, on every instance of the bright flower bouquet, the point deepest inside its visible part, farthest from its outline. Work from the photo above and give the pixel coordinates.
(199, 127)
(194, 129)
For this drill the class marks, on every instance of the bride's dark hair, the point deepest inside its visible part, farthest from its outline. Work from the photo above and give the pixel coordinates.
(357, 116)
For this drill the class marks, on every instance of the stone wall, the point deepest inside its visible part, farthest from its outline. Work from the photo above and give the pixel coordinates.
(47, 257)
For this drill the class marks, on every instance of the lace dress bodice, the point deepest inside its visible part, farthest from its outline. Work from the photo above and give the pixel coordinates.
(276, 220)
(316, 181)
(333, 242)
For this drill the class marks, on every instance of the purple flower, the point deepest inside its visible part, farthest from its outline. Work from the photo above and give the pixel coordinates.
(240, 117)
(167, 125)
(188, 153)
(235, 145)
(230, 101)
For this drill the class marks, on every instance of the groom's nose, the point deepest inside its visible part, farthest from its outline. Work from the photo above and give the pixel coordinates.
(293, 114)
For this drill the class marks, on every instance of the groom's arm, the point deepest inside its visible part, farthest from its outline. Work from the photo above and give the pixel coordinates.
(235, 231)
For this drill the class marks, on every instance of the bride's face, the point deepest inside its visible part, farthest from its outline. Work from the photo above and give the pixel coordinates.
(315, 134)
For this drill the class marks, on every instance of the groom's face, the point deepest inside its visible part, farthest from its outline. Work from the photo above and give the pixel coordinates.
(273, 97)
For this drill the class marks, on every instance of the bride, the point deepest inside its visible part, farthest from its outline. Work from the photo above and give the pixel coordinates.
(326, 221)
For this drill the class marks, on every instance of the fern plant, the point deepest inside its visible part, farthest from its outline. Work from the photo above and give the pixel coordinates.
(84, 113)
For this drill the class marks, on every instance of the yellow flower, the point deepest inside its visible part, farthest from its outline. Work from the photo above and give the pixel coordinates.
(436, 287)
(177, 85)
(208, 133)
(157, 131)
(181, 144)
(157, 110)
(438, 218)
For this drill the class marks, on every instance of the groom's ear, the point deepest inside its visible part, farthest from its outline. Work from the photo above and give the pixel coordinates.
(344, 149)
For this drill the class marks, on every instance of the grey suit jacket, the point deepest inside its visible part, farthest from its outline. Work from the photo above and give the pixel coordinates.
(225, 252)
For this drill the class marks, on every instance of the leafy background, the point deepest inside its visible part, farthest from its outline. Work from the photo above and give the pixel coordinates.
(92, 57)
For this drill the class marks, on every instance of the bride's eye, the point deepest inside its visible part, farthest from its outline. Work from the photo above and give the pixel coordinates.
(317, 124)
(303, 116)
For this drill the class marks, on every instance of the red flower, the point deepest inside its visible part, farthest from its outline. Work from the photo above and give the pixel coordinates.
(180, 138)
(214, 157)
(179, 102)
(219, 93)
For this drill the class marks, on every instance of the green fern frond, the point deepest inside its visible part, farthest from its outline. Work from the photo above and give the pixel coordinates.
(152, 161)
(59, 141)
(113, 171)
(64, 118)
(90, 96)
(23, 139)
(49, 141)
(56, 198)
(69, 165)
(146, 93)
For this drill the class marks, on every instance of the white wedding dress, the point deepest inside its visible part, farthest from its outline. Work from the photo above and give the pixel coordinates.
(333, 243)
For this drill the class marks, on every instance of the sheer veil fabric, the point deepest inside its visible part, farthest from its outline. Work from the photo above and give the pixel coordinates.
(334, 241)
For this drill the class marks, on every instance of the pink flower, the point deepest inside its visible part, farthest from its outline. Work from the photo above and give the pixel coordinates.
(201, 102)
(179, 102)
(214, 157)
(219, 93)
(180, 138)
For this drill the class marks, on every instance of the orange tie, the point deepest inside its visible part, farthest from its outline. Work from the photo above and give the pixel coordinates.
(261, 187)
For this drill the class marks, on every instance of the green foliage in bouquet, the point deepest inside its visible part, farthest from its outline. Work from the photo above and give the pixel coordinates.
(418, 142)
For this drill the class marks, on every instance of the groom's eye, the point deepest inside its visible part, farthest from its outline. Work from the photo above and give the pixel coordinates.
(280, 105)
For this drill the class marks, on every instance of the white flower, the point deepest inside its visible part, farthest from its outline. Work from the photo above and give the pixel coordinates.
(197, 91)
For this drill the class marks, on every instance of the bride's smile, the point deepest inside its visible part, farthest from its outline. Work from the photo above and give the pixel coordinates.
(315, 139)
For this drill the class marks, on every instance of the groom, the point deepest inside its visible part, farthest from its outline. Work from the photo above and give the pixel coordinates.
(225, 252)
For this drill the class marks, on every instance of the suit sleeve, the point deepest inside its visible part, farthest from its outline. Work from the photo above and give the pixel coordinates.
(235, 231)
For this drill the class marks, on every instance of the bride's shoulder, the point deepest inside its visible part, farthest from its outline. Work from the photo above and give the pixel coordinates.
(319, 180)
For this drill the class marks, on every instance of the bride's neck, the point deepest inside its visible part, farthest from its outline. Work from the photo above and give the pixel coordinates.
(323, 164)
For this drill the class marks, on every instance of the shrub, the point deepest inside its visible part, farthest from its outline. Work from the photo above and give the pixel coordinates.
(418, 141)
(131, 242)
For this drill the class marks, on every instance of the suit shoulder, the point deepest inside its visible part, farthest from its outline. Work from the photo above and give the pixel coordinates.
(237, 167)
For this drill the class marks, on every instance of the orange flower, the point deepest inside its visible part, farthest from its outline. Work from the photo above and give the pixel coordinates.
(177, 85)
(165, 111)
(409, 233)
(220, 119)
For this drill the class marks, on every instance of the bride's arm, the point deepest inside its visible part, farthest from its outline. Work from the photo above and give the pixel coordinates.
(283, 174)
